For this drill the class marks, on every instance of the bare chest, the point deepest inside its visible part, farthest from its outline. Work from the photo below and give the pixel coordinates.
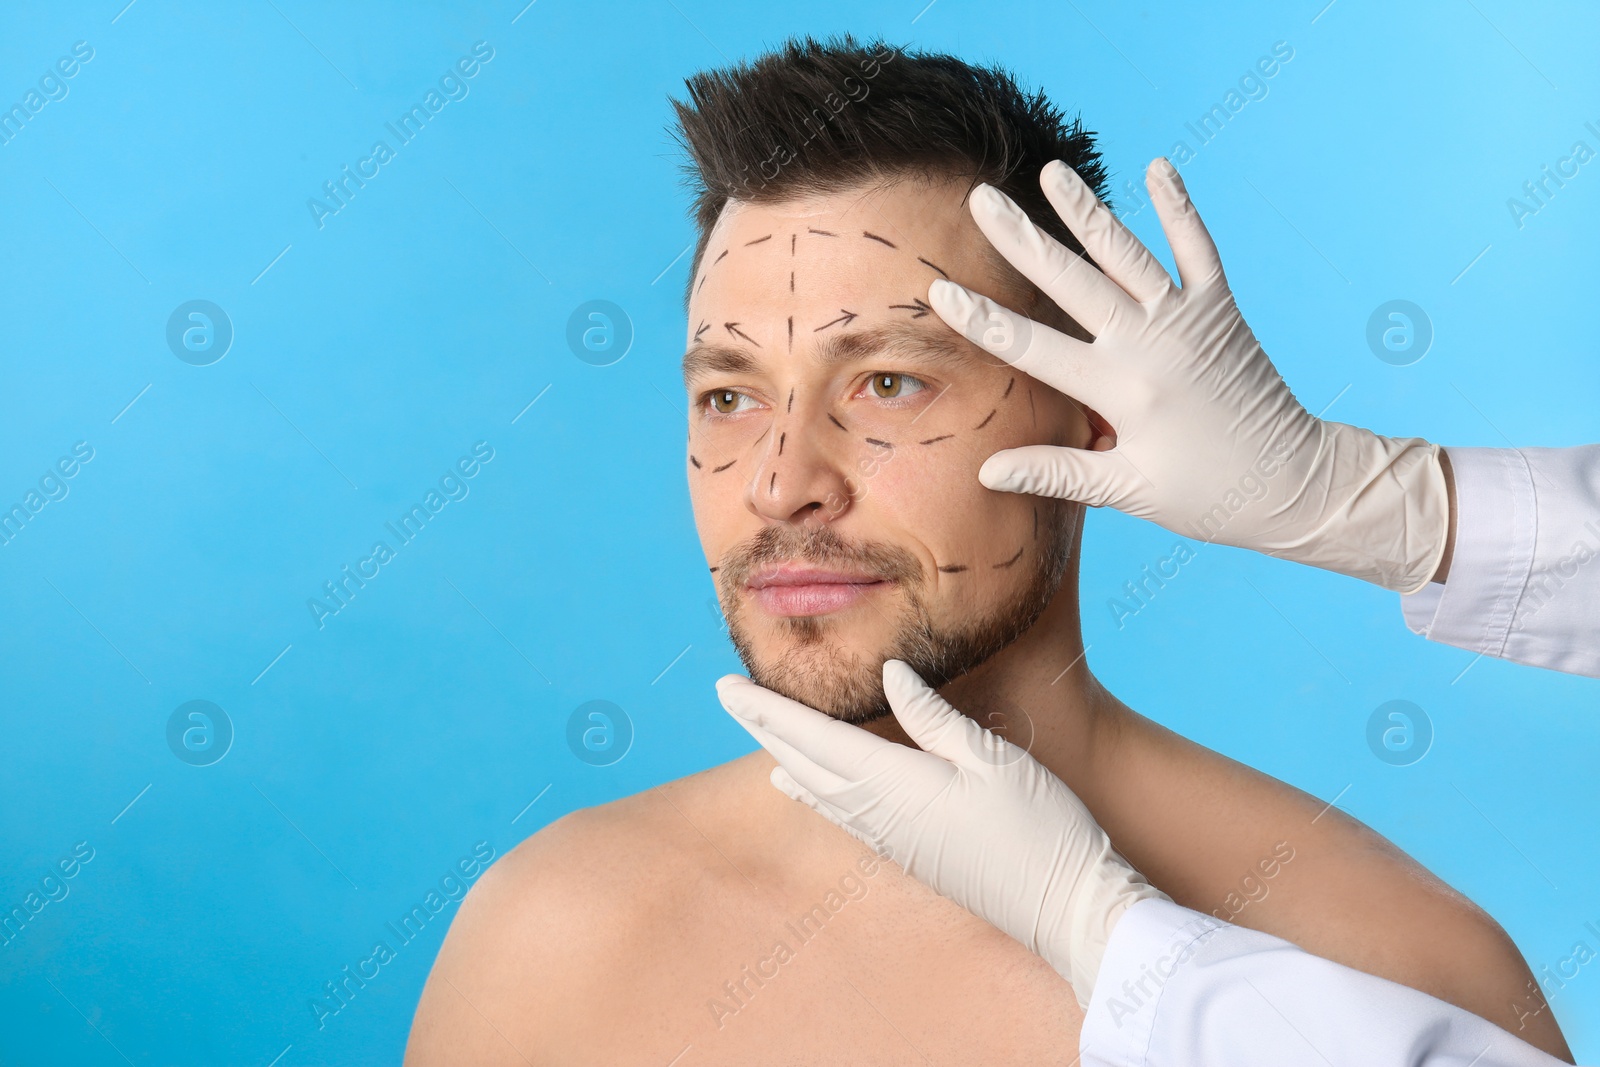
(858, 970)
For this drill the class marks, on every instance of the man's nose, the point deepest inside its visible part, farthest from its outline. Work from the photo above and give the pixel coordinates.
(806, 469)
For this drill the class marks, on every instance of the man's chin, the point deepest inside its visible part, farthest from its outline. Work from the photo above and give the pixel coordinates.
(816, 668)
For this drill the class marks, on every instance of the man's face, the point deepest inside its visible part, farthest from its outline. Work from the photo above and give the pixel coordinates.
(836, 428)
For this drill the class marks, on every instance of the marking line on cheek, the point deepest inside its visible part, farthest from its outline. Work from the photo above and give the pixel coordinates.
(725, 466)
(875, 441)
(791, 333)
(791, 401)
(758, 240)
(720, 258)
(784, 436)
(986, 419)
(715, 569)
(772, 485)
(824, 233)
(702, 284)
(704, 326)
(1009, 384)
(696, 462)
(935, 440)
(791, 281)
(952, 568)
(880, 240)
(791, 244)
(935, 266)
(1010, 561)
(835, 421)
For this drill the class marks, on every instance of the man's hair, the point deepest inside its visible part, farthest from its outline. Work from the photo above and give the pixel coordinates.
(817, 118)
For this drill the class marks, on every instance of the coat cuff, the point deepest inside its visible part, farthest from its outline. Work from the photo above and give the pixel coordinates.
(1496, 528)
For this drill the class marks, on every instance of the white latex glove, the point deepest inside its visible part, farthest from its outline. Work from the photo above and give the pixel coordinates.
(970, 815)
(1210, 442)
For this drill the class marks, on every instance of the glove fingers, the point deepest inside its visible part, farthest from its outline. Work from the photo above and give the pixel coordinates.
(930, 721)
(1091, 478)
(1121, 255)
(785, 783)
(801, 767)
(1035, 349)
(821, 740)
(1199, 265)
(1070, 280)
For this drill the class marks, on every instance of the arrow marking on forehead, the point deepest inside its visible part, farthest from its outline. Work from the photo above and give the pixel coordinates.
(733, 328)
(846, 318)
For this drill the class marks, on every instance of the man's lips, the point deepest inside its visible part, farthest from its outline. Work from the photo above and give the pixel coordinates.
(790, 590)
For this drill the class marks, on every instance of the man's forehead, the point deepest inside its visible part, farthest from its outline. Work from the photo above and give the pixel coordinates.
(836, 277)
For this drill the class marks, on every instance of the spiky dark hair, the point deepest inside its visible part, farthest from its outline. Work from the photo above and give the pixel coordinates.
(819, 117)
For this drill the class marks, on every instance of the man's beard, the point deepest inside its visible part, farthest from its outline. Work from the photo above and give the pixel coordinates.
(838, 680)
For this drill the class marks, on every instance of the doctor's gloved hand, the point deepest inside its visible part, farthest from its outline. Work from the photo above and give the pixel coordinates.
(972, 816)
(1210, 442)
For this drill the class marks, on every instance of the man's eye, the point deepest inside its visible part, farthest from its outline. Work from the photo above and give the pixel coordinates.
(727, 401)
(889, 386)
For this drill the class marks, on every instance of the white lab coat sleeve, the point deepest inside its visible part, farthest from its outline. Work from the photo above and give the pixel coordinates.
(1181, 989)
(1524, 582)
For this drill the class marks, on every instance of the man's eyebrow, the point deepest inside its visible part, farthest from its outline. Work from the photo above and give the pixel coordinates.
(707, 359)
(930, 346)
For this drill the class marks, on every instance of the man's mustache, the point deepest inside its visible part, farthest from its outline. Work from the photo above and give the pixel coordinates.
(820, 546)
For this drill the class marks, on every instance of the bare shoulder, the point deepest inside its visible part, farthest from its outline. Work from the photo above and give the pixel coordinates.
(544, 934)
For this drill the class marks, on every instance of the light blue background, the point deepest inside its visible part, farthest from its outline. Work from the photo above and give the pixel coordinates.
(428, 313)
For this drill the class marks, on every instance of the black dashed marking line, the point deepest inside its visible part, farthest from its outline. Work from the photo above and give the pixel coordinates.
(1009, 384)
(715, 569)
(704, 326)
(1032, 414)
(772, 485)
(725, 466)
(934, 440)
(758, 240)
(784, 436)
(720, 258)
(880, 240)
(791, 332)
(791, 401)
(835, 421)
(952, 568)
(791, 281)
(935, 266)
(791, 244)
(1010, 561)
(986, 419)
(824, 233)
(696, 462)
(847, 318)
(880, 444)
(917, 307)
(702, 284)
